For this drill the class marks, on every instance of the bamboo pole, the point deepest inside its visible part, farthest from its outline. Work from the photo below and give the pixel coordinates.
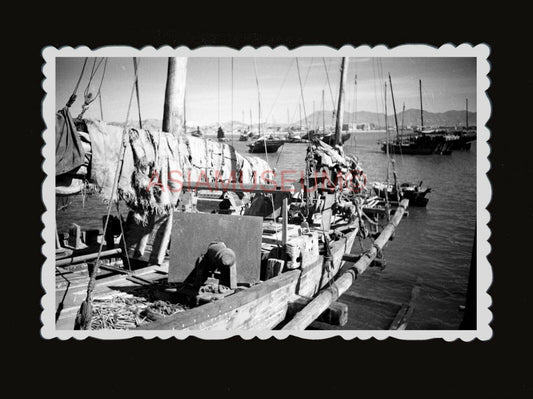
(82, 258)
(329, 295)
(285, 220)
(174, 113)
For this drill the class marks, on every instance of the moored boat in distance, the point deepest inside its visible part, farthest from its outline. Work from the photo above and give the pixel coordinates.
(465, 138)
(330, 138)
(414, 192)
(293, 137)
(244, 136)
(265, 144)
(421, 142)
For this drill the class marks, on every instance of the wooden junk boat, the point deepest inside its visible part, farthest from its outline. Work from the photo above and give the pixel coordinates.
(265, 144)
(414, 192)
(421, 141)
(244, 255)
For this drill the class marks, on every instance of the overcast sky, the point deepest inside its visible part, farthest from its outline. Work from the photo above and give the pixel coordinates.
(446, 83)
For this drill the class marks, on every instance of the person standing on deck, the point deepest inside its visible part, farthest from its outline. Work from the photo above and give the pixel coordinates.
(220, 133)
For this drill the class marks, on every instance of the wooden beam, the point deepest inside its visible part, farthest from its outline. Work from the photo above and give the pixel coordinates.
(238, 187)
(165, 240)
(405, 312)
(285, 220)
(174, 112)
(196, 316)
(327, 296)
(351, 258)
(82, 258)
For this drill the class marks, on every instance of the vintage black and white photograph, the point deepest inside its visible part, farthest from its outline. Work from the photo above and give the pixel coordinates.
(266, 192)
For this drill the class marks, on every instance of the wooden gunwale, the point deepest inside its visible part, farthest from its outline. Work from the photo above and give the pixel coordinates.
(197, 318)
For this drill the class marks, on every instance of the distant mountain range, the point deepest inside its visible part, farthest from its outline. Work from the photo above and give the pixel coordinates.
(410, 117)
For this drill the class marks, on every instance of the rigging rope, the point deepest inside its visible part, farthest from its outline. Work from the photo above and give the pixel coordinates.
(259, 108)
(101, 107)
(355, 113)
(89, 98)
(74, 94)
(297, 108)
(84, 315)
(123, 236)
(280, 89)
(329, 84)
(302, 94)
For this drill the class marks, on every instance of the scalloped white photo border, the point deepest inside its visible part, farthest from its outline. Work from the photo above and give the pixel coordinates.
(484, 192)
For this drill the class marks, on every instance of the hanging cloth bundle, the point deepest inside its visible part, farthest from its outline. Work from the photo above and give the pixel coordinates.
(69, 150)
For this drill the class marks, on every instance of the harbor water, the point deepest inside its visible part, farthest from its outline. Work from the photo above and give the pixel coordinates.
(432, 248)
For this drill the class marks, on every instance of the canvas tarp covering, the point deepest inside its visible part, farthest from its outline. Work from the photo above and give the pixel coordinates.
(69, 150)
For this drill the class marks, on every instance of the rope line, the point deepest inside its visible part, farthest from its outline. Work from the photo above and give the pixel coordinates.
(74, 94)
(115, 182)
(302, 94)
(88, 97)
(280, 89)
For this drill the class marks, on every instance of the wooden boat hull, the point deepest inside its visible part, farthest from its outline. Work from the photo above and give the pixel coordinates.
(260, 307)
(463, 143)
(416, 198)
(426, 148)
(264, 306)
(270, 147)
(330, 139)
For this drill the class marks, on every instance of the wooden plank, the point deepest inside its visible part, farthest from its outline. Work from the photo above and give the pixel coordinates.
(236, 187)
(336, 314)
(193, 232)
(191, 319)
(69, 308)
(273, 268)
(82, 258)
(262, 313)
(406, 311)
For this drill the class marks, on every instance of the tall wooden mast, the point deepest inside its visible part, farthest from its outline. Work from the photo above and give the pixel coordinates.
(387, 135)
(467, 114)
(340, 104)
(323, 114)
(421, 109)
(174, 108)
(394, 108)
(300, 109)
(403, 115)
